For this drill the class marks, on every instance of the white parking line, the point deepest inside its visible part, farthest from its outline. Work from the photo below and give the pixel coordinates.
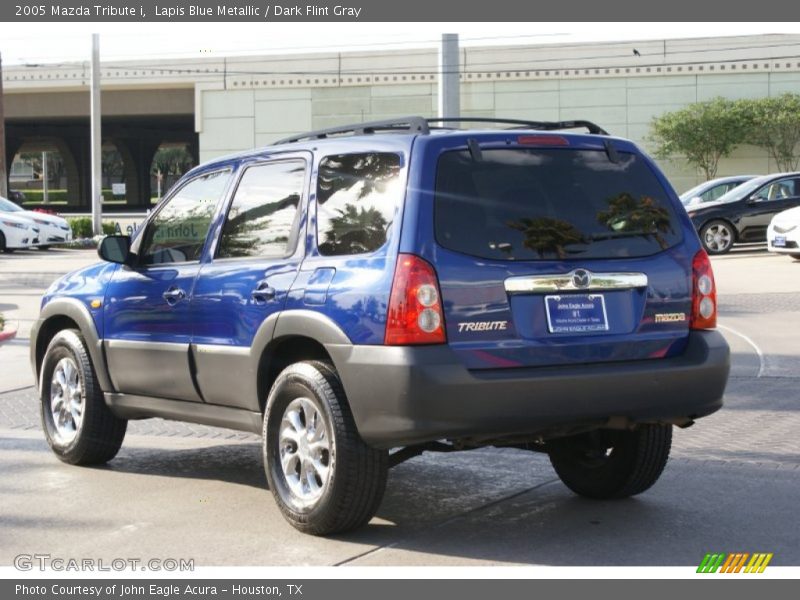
(761, 360)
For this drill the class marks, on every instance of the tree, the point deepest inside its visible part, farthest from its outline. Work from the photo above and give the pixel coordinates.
(643, 217)
(355, 230)
(544, 235)
(701, 133)
(775, 126)
(172, 160)
(111, 165)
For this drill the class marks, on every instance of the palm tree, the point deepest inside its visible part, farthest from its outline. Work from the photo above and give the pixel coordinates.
(644, 217)
(544, 235)
(355, 230)
(345, 171)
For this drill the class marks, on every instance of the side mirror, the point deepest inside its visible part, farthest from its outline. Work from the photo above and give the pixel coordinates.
(115, 248)
(753, 199)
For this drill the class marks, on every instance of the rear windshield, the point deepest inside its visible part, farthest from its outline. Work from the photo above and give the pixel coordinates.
(533, 204)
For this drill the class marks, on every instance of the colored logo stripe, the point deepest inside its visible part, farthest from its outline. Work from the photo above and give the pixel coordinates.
(734, 562)
(710, 563)
(758, 563)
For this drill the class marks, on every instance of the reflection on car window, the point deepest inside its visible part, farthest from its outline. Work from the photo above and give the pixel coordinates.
(357, 196)
(178, 232)
(717, 192)
(531, 204)
(263, 212)
(777, 190)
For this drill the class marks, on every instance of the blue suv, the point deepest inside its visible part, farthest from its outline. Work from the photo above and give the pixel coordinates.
(363, 294)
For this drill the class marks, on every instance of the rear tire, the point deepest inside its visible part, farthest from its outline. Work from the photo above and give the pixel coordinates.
(607, 464)
(43, 247)
(795, 256)
(323, 476)
(717, 237)
(79, 427)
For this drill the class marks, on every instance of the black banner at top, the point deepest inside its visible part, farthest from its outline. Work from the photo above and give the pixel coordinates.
(453, 11)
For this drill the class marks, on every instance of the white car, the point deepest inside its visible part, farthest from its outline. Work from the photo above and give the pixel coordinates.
(16, 232)
(52, 228)
(783, 233)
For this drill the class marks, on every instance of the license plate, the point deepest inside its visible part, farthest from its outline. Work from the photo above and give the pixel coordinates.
(584, 313)
(779, 241)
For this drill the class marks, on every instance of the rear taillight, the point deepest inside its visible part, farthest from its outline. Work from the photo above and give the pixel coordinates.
(415, 306)
(704, 293)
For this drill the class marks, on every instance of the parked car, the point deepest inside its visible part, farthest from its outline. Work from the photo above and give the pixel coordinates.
(783, 233)
(16, 232)
(743, 214)
(16, 196)
(52, 228)
(710, 191)
(362, 294)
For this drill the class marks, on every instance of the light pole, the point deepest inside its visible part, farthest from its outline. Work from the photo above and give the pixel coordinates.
(3, 172)
(449, 93)
(96, 140)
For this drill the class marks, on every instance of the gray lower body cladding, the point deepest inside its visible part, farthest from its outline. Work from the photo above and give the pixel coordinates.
(407, 395)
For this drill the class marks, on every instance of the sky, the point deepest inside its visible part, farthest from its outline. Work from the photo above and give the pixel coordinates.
(42, 43)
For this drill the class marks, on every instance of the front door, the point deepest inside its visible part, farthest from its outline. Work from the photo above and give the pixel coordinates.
(147, 319)
(254, 263)
(767, 202)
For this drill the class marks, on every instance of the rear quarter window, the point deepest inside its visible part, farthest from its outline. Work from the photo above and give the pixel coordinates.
(357, 199)
(537, 204)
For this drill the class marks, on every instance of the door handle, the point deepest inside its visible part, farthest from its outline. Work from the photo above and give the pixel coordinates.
(174, 295)
(263, 292)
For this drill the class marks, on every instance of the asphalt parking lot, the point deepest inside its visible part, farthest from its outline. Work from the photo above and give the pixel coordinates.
(186, 491)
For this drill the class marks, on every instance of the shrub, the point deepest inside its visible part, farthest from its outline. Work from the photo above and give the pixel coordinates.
(82, 227)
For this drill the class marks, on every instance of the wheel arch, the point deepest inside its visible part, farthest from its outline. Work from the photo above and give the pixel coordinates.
(68, 313)
(292, 336)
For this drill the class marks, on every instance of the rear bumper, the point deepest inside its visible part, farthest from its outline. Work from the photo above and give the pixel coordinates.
(406, 395)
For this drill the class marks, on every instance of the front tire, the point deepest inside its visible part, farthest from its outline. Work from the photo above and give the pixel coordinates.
(323, 476)
(79, 427)
(717, 237)
(608, 464)
(3, 245)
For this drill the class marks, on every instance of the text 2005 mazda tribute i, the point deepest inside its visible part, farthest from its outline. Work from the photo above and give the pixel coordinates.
(363, 294)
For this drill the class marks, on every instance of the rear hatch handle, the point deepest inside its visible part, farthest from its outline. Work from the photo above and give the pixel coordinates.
(579, 280)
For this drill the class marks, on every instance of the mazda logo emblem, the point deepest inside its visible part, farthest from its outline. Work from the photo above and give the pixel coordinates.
(581, 278)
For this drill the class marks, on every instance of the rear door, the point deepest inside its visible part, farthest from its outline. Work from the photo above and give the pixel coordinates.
(557, 254)
(255, 261)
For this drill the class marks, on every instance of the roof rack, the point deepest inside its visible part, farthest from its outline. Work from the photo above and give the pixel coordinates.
(401, 124)
(519, 123)
(423, 126)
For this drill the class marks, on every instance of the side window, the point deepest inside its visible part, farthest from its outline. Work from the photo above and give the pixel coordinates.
(262, 216)
(357, 197)
(178, 232)
(718, 191)
(777, 190)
